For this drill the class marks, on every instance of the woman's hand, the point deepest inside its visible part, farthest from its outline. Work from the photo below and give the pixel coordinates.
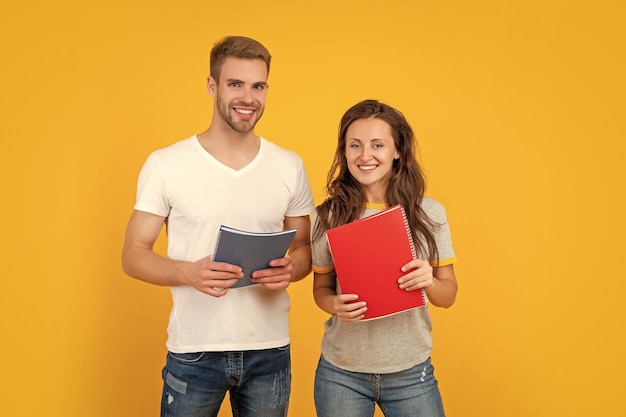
(344, 306)
(347, 308)
(420, 275)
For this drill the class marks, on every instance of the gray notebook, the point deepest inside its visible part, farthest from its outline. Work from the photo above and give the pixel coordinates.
(251, 250)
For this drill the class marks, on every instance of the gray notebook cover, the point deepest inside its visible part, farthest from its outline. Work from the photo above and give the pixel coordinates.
(251, 250)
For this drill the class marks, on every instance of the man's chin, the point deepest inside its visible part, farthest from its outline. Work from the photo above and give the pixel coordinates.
(243, 127)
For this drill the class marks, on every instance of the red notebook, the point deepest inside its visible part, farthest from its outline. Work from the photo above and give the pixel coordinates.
(368, 254)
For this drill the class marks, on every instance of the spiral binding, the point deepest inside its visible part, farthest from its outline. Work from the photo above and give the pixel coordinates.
(217, 242)
(409, 234)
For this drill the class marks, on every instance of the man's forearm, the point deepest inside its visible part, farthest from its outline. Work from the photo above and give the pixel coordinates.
(301, 257)
(145, 265)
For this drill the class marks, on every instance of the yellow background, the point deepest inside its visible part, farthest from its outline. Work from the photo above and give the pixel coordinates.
(519, 111)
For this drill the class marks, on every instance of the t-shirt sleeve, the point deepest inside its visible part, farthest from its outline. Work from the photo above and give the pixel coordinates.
(443, 238)
(320, 251)
(302, 202)
(151, 189)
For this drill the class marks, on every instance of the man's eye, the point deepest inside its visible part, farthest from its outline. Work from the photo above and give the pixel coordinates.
(234, 84)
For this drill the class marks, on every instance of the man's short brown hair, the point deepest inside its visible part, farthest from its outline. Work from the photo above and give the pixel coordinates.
(237, 47)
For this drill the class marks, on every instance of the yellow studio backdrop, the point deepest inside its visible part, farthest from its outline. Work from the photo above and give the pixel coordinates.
(518, 107)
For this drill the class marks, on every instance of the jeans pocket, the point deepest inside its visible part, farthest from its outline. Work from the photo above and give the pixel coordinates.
(186, 357)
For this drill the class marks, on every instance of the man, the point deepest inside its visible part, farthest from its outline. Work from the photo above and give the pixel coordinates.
(220, 338)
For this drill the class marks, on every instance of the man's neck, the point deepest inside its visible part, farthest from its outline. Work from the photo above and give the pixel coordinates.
(231, 148)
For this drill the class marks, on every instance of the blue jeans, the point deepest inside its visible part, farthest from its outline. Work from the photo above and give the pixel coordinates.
(410, 393)
(259, 383)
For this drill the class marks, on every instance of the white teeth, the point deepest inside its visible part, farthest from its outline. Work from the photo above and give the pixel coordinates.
(367, 167)
(246, 112)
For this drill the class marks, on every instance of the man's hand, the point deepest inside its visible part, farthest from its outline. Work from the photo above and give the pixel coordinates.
(278, 276)
(209, 277)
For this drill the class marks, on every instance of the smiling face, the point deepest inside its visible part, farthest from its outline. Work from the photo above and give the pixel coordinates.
(370, 152)
(240, 92)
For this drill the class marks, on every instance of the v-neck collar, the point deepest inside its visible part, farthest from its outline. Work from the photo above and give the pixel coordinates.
(226, 168)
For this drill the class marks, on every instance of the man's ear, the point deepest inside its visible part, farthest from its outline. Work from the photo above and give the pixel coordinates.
(211, 86)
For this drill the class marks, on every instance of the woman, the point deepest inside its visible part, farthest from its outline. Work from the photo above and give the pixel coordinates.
(385, 361)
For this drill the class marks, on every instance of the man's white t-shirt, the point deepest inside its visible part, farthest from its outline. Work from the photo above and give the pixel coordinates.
(197, 194)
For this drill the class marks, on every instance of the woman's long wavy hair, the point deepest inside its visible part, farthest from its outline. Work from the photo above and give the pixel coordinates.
(407, 184)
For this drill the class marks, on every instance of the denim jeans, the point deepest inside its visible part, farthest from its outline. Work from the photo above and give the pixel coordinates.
(195, 384)
(410, 393)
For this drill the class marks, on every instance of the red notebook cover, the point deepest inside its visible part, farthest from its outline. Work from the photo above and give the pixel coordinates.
(368, 254)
